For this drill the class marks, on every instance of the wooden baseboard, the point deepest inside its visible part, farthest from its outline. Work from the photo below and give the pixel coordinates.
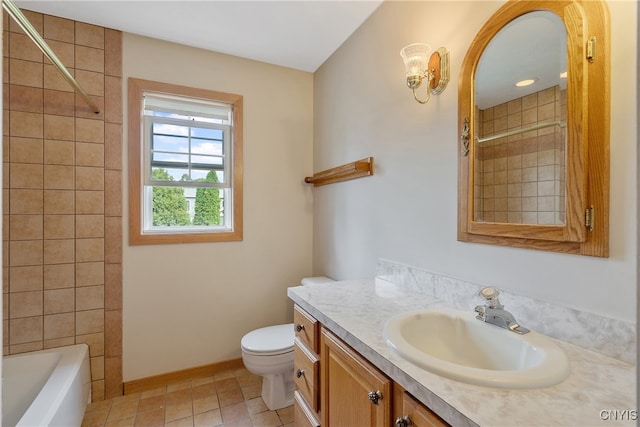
(161, 380)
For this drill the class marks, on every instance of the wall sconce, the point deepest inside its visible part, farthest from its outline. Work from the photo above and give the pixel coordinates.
(420, 65)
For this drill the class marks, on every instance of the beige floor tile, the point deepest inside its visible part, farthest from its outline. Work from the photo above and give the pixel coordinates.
(208, 419)
(154, 418)
(205, 404)
(229, 399)
(176, 411)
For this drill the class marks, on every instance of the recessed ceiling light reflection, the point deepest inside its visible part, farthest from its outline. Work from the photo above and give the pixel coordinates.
(526, 82)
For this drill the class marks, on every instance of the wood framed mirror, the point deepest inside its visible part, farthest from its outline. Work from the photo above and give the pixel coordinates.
(533, 163)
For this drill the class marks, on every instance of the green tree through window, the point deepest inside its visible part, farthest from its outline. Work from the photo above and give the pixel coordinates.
(207, 207)
(169, 203)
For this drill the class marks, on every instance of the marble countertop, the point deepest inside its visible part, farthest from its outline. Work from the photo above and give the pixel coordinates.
(599, 391)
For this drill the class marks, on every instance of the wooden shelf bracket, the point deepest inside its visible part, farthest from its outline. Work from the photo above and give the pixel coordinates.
(344, 172)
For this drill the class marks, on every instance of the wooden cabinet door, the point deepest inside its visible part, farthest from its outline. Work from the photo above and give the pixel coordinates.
(414, 413)
(346, 381)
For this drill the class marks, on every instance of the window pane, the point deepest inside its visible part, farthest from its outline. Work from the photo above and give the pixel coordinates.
(178, 144)
(187, 207)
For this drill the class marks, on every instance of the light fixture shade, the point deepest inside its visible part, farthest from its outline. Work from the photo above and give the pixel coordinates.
(416, 58)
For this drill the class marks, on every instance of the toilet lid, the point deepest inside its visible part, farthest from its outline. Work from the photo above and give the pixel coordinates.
(270, 340)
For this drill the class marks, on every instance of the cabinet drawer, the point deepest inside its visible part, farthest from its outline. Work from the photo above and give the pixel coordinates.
(306, 367)
(306, 328)
(303, 416)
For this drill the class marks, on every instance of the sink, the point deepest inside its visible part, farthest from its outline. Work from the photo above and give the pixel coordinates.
(456, 345)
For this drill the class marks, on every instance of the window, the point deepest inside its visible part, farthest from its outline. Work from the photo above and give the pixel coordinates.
(185, 164)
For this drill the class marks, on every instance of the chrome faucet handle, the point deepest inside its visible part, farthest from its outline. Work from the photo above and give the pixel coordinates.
(491, 295)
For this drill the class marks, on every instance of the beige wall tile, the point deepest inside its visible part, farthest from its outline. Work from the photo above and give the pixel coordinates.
(97, 368)
(113, 99)
(95, 341)
(113, 193)
(59, 325)
(25, 330)
(23, 201)
(58, 152)
(59, 251)
(64, 51)
(90, 130)
(59, 342)
(58, 301)
(113, 287)
(89, 322)
(91, 59)
(25, 175)
(59, 276)
(25, 304)
(22, 279)
(25, 227)
(89, 154)
(25, 348)
(35, 18)
(25, 73)
(89, 35)
(59, 103)
(25, 150)
(89, 226)
(27, 252)
(54, 80)
(58, 127)
(113, 341)
(59, 201)
(89, 178)
(89, 202)
(21, 47)
(59, 177)
(26, 124)
(113, 52)
(83, 110)
(93, 83)
(59, 226)
(89, 297)
(90, 273)
(59, 29)
(113, 242)
(89, 250)
(113, 146)
(25, 98)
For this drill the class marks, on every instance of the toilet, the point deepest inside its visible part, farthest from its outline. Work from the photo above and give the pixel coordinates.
(268, 352)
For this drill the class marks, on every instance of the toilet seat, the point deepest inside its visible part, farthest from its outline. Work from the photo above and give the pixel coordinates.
(269, 341)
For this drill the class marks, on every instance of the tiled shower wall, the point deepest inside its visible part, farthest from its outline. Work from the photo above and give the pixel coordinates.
(520, 178)
(62, 208)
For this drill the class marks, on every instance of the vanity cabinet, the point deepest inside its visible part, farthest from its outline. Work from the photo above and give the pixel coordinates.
(306, 366)
(354, 392)
(336, 386)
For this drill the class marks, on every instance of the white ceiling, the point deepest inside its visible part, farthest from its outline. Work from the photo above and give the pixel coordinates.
(299, 34)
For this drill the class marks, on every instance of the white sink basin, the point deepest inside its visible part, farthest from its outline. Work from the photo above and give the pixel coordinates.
(456, 345)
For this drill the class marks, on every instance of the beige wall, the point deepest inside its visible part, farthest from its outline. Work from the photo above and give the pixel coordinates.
(407, 211)
(189, 305)
(61, 188)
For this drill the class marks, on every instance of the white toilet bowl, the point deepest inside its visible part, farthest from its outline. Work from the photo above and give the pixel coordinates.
(268, 352)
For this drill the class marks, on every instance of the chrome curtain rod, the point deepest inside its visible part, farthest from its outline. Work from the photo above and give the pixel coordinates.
(517, 131)
(17, 15)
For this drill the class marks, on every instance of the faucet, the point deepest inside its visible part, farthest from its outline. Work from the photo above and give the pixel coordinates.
(493, 312)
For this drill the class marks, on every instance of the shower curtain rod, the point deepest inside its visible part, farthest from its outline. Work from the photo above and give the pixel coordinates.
(17, 15)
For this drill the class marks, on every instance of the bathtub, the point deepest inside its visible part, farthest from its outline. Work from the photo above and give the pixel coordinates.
(47, 387)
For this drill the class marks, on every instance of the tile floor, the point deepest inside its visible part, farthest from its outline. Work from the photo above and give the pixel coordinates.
(230, 398)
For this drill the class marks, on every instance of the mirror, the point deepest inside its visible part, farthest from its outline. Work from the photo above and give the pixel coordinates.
(520, 96)
(534, 157)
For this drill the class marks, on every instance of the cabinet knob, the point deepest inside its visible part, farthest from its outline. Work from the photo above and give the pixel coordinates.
(374, 396)
(299, 373)
(299, 327)
(404, 421)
